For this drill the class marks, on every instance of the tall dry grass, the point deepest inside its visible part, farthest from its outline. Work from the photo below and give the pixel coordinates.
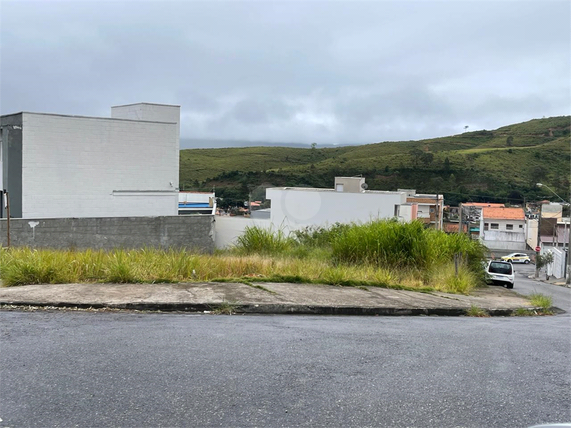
(383, 254)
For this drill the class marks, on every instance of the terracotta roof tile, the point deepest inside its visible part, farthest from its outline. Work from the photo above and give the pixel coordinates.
(501, 213)
(482, 204)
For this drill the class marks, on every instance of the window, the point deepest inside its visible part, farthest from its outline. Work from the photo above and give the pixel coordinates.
(495, 226)
(521, 226)
(486, 226)
(509, 227)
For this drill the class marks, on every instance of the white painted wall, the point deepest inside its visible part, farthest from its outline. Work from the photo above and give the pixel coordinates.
(203, 197)
(557, 268)
(96, 167)
(227, 229)
(501, 238)
(296, 208)
(531, 231)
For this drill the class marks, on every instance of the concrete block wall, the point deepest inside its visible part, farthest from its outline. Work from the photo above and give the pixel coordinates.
(96, 167)
(190, 232)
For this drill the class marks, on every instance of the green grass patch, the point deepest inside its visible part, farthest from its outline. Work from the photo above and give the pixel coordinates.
(475, 311)
(541, 301)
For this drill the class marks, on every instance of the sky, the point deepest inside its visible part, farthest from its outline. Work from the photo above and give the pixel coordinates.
(325, 72)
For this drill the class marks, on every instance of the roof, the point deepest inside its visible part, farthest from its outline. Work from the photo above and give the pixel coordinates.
(149, 104)
(482, 204)
(424, 200)
(319, 189)
(502, 213)
(75, 116)
(194, 205)
(196, 193)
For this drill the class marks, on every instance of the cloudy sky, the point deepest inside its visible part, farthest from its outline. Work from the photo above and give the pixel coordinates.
(296, 71)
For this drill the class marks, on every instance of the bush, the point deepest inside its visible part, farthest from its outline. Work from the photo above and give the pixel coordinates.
(404, 245)
(257, 240)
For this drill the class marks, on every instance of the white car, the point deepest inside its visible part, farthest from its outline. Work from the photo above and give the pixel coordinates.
(516, 258)
(501, 273)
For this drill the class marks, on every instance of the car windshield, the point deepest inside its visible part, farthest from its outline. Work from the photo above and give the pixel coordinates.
(504, 268)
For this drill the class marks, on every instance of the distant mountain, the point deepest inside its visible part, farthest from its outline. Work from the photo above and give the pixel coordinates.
(197, 143)
(503, 165)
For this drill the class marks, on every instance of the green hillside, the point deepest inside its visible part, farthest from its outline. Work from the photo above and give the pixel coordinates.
(502, 165)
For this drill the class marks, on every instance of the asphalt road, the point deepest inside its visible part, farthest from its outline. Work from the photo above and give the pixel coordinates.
(524, 285)
(68, 369)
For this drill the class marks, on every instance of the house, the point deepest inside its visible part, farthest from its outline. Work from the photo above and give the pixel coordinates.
(553, 227)
(347, 202)
(196, 203)
(61, 166)
(503, 228)
(430, 208)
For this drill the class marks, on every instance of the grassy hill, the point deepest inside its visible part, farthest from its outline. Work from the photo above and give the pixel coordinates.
(502, 165)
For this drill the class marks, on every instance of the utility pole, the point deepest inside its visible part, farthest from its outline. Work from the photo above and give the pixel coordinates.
(460, 228)
(7, 203)
(437, 211)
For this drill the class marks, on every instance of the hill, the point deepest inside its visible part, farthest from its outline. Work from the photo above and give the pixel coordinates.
(494, 166)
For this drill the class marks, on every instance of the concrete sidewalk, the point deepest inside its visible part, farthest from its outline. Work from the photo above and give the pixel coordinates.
(264, 298)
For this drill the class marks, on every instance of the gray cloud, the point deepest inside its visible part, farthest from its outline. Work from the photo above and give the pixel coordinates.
(329, 72)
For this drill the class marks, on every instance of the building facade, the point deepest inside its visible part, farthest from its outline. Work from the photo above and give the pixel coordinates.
(349, 201)
(58, 166)
(503, 228)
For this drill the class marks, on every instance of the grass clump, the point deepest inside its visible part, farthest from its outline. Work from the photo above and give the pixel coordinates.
(541, 301)
(225, 308)
(475, 311)
(258, 240)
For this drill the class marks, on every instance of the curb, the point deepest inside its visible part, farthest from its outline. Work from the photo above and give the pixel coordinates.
(272, 309)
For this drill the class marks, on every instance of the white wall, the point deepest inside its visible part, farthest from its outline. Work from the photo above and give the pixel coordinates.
(557, 268)
(531, 232)
(501, 238)
(196, 197)
(95, 167)
(227, 229)
(296, 208)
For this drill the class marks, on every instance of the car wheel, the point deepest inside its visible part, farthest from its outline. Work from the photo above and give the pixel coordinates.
(509, 286)
(526, 262)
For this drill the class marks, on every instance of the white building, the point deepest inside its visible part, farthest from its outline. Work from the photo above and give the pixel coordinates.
(349, 201)
(503, 228)
(190, 203)
(74, 166)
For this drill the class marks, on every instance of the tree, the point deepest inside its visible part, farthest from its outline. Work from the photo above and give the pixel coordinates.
(509, 141)
(427, 158)
(416, 156)
(447, 164)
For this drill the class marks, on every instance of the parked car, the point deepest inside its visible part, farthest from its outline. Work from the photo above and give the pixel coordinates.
(500, 273)
(516, 258)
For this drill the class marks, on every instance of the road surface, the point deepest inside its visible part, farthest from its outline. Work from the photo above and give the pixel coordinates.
(107, 369)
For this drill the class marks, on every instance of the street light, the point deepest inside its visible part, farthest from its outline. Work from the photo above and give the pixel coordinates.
(569, 233)
(552, 191)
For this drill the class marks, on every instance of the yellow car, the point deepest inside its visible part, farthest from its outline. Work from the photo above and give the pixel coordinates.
(516, 258)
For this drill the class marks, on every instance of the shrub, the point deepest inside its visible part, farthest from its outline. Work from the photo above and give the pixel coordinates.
(404, 245)
(264, 241)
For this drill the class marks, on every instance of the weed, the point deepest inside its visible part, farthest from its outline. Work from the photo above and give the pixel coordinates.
(225, 308)
(475, 311)
(258, 240)
(541, 301)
